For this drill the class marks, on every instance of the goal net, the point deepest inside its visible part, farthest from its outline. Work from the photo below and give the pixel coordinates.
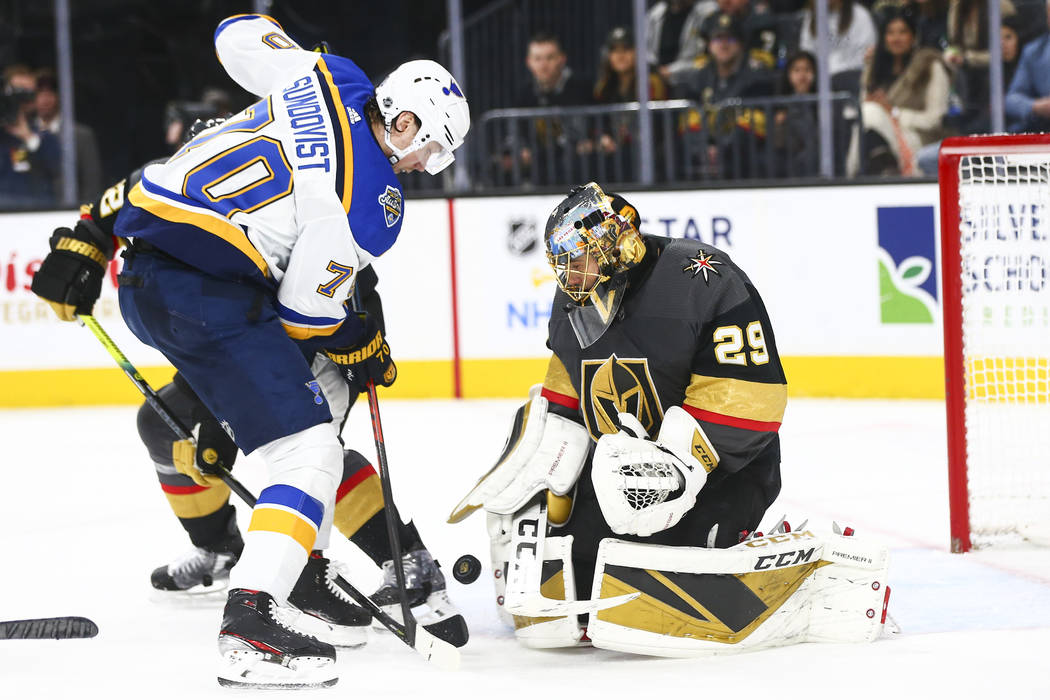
(995, 247)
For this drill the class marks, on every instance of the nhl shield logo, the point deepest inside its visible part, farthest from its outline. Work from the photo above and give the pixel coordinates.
(521, 236)
(390, 200)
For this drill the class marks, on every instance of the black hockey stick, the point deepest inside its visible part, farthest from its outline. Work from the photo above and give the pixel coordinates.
(71, 627)
(392, 517)
(433, 649)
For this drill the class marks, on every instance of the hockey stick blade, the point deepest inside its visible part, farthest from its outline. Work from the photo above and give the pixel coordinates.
(49, 628)
(539, 606)
(436, 651)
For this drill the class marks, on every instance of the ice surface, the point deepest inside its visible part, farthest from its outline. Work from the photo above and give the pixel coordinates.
(82, 524)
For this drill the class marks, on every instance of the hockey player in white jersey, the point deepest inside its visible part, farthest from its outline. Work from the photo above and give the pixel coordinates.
(245, 246)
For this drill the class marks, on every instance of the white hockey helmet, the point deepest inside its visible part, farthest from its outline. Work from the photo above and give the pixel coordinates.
(430, 92)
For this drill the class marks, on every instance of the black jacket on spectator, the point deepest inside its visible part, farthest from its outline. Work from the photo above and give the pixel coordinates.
(27, 177)
(734, 131)
(548, 139)
(569, 91)
(760, 37)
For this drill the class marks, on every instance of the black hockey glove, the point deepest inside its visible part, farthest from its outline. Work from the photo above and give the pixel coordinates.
(198, 126)
(368, 360)
(70, 278)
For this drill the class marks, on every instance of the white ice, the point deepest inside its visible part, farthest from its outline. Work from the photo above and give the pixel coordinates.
(83, 522)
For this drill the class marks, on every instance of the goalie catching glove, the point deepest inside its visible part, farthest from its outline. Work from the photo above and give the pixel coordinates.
(645, 486)
(368, 360)
(70, 278)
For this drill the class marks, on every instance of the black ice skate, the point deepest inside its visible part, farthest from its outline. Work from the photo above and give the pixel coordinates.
(203, 569)
(425, 585)
(260, 650)
(317, 595)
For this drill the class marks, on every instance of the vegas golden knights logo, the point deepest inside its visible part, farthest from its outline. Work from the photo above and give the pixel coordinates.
(619, 385)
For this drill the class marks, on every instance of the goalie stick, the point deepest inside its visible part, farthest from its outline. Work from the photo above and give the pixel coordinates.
(436, 651)
(524, 574)
(70, 627)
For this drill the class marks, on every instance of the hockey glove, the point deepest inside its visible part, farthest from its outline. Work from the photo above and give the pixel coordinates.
(368, 360)
(70, 278)
(201, 461)
(645, 486)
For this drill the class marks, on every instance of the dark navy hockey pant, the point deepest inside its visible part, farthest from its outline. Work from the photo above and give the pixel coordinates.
(227, 341)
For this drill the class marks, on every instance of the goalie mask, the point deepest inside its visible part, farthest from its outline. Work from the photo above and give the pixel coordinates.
(592, 240)
(430, 92)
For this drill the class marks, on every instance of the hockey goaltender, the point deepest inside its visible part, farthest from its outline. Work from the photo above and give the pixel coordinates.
(604, 535)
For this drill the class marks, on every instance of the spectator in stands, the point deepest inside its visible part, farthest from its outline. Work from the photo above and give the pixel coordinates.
(851, 36)
(675, 42)
(616, 75)
(49, 118)
(1028, 98)
(552, 84)
(616, 84)
(759, 27)
(905, 98)
(931, 26)
(33, 158)
(978, 120)
(967, 52)
(729, 133)
(795, 127)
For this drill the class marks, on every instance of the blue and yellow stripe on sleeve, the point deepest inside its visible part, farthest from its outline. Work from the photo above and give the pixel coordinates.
(300, 326)
(289, 511)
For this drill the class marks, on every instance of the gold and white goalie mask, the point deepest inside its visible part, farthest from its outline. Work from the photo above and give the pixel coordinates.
(592, 239)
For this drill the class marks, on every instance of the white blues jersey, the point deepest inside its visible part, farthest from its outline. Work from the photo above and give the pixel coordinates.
(294, 192)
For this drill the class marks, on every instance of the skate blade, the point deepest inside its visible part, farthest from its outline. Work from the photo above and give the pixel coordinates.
(251, 669)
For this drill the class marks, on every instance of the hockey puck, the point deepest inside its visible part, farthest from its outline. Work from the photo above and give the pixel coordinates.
(467, 569)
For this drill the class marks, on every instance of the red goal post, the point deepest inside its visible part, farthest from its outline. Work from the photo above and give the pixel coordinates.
(995, 271)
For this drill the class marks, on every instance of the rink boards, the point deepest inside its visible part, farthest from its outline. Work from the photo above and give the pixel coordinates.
(850, 276)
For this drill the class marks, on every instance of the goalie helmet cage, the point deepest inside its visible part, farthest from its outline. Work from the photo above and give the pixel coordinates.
(995, 253)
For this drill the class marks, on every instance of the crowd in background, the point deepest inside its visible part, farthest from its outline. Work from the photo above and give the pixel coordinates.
(919, 70)
(916, 71)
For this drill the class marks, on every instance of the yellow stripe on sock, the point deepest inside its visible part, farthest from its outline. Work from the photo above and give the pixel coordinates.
(358, 506)
(284, 523)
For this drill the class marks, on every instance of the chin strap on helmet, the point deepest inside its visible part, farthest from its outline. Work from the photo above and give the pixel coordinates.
(430, 92)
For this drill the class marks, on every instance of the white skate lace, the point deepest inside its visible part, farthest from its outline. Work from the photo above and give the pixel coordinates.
(286, 617)
(192, 561)
(333, 571)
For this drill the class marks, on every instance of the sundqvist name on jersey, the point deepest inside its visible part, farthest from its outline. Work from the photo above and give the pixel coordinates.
(308, 124)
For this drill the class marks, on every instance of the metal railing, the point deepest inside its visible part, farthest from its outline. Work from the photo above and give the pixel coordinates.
(761, 138)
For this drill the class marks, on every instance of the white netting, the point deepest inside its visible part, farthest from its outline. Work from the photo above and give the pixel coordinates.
(648, 484)
(1005, 249)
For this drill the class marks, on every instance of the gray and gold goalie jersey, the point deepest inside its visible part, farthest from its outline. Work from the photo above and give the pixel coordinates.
(693, 332)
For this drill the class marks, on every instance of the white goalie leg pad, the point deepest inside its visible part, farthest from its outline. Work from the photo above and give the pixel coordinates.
(557, 583)
(543, 451)
(771, 591)
(646, 486)
(851, 595)
(499, 555)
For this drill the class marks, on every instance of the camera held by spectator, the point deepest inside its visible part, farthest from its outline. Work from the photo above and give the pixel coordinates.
(15, 102)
